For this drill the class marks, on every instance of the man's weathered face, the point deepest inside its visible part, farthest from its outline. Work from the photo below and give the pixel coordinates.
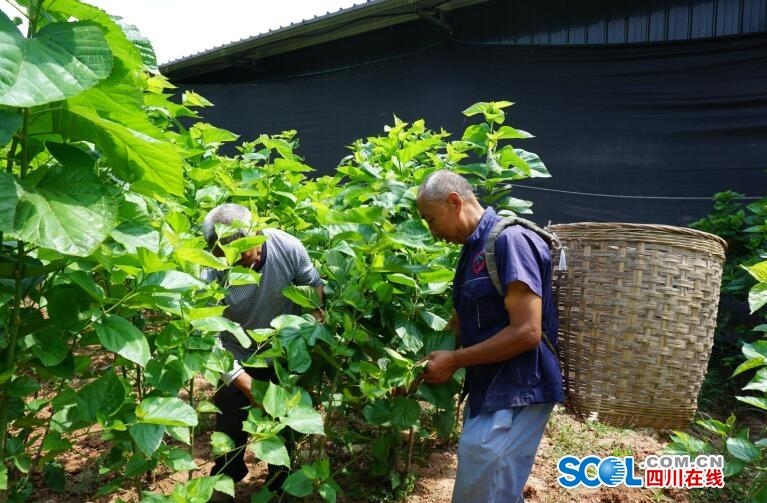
(442, 218)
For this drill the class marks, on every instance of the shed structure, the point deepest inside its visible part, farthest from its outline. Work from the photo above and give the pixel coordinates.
(642, 109)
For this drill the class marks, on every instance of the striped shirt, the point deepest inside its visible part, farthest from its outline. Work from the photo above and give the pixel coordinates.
(256, 305)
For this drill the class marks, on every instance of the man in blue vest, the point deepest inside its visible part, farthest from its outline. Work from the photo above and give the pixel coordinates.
(513, 377)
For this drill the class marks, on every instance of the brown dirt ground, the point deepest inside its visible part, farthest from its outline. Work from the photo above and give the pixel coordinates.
(435, 471)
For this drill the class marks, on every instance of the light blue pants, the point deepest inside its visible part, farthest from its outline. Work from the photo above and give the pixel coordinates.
(496, 453)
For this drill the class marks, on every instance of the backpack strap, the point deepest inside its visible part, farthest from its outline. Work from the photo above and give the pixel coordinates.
(492, 268)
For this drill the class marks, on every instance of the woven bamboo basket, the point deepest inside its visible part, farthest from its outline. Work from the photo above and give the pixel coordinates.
(637, 311)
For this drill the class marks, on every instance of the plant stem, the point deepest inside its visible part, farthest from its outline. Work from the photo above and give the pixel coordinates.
(410, 452)
(12, 336)
(191, 436)
(18, 300)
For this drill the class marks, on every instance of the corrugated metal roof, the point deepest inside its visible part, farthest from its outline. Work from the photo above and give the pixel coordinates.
(346, 22)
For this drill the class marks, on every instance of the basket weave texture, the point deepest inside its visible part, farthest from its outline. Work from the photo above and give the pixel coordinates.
(637, 311)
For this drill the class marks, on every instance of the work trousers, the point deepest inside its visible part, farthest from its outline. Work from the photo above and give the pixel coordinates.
(496, 453)
(233, 405)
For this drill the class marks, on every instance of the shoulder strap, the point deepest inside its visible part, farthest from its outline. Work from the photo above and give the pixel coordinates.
(499, 227)
(492, 268)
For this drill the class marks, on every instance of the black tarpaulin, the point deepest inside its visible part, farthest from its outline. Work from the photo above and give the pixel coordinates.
(630, 133)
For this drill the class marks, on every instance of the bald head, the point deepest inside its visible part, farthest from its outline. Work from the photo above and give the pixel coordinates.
(439, 184)
(227, 214)
(446, 202)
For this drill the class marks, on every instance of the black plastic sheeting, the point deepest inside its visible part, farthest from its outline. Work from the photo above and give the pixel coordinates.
(630, 133)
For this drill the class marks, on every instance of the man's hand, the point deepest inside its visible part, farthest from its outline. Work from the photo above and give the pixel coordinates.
(441, 366)
(242, 382)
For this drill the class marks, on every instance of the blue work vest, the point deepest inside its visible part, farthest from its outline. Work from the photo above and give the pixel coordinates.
(533, 376)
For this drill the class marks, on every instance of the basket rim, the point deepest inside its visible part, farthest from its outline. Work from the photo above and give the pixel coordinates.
(639, 227)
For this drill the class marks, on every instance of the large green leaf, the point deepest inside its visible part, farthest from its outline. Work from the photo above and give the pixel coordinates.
(753, 400)
(305, 420)
(299, 485)
(221, 324)
(152, 166)
(168, 411)
(757, 297)
(221, 443)
(743, 449)
(121, 336)
(119, 42)
(272, 450)
(10, 122)
(104, 396)
(276, 400)
(147, 436)
(62, 60)
(68, 211)
(10, 193)
(143, 44)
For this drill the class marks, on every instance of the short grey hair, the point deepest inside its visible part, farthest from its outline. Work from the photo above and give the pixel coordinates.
(439, 184)
(227, 214)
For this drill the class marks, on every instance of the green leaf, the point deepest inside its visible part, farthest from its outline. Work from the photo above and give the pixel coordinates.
(401, 279)
(179, 460)
(743, 449)
(757, 297)
(758, 382)
(10, 122)
(54, 477)
(152, 167)
(176, 281)
(410, 337)
(120, 336)
(412, 234)
(147, 436)
(200, 257)
(3, 477)
(272, 450)
(299, 359)
(755, 350)
(103, 396)
(328, 492)
(169, 411)
(143, 44)
(537, 168)
(192, 99)
(221, 443)
(299, 485)
(10, 193)
(405, 412)
(304, 296)
(484, 107)
(436, 323)
(357, 215)
(758, 271)
(752, 400)
(509, 133)
(291, 165)
(379, 412)
(275, 400)
(221, 324)
(305, 420)
(68, 211)
(208, 134)
(63, 59)
(85, 281)
(749, 364)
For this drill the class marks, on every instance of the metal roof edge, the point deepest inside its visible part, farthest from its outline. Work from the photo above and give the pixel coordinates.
(368, 16)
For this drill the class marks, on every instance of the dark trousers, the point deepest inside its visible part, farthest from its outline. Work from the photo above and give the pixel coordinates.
(233, 406)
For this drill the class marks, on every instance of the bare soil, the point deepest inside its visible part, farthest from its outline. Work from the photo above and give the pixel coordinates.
(434, 469)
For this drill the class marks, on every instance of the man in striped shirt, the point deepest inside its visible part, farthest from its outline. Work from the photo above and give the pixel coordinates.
(282, 261)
